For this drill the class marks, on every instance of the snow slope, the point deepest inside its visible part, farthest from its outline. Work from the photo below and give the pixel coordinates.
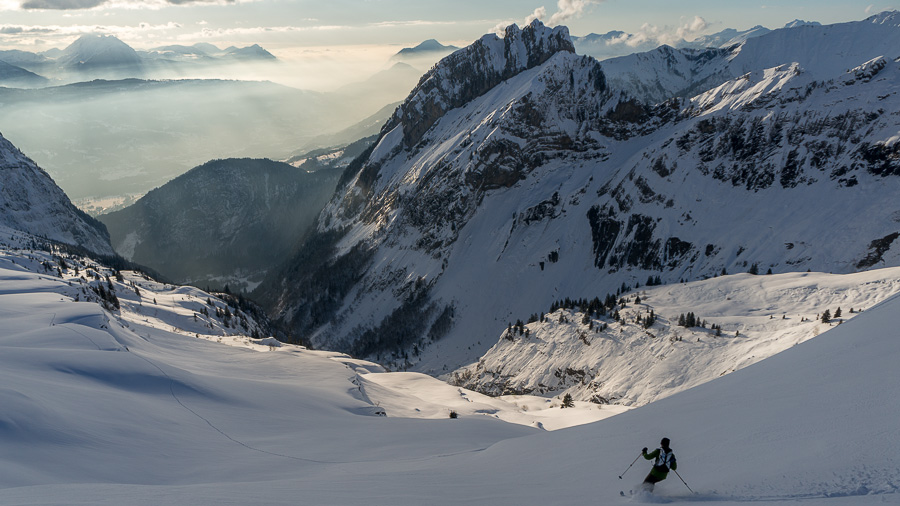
(629, 363)
(100, 409)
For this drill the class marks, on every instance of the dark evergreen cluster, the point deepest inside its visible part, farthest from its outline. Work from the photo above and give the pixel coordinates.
(595, 307)
(827, 316)
(107, 296)
(690, 320)
(517, 329)
(647, 321)
(654, 281)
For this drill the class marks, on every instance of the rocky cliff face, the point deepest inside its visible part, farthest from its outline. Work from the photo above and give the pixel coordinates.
(471, 72)
(556, 183)
(31, 202)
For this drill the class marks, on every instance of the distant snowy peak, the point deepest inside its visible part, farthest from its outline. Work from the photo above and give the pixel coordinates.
(823, 51)
(727, 38)
(93, 51)
(799, 22)
(210, 53)
(472, 71)
(32, 203)
(254, 52)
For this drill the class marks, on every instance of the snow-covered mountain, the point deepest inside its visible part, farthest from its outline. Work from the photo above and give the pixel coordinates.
(824, 52)
(517, 174)
(654, 342)
(729, 37)
(249, 53)
(617, 43)
(96, 56)
(612, 44)
(101, 55)
(208, 53)
(225, 222)
(31, 202)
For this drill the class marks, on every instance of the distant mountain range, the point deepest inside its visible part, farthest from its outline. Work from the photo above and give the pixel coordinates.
(95, 56)
(618, 43)
(210, 53)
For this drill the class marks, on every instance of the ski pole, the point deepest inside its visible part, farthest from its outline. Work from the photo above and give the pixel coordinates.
(629, 467)
(682, 481)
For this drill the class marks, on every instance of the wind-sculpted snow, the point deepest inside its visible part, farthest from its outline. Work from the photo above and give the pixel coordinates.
(31, 202)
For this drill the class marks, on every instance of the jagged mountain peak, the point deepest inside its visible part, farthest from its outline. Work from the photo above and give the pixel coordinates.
(472, 71)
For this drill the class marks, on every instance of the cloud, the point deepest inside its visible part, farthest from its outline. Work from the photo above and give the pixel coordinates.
(500, 28)
(568, 9)
(692, 29)
(61, 4)
(654, 35)
(69, 32)
(539, 13)
(116, 4)
(413, 22)
(25, 30)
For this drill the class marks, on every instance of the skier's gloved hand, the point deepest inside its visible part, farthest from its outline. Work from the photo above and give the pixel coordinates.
(644, 450)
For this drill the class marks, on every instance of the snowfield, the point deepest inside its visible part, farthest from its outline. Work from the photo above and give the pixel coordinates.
(628, 363)
(132, 408)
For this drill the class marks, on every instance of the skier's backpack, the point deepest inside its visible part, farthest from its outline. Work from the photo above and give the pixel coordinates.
(664, 460)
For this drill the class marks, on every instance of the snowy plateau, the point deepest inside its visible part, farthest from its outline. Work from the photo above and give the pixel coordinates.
(517, 179)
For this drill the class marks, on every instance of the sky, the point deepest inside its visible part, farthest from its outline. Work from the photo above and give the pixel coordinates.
(324, 44)
(288, 27)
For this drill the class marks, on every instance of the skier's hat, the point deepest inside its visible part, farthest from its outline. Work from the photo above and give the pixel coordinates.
(665, 442)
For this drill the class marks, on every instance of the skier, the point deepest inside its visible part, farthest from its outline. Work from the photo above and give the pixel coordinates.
(664, 459)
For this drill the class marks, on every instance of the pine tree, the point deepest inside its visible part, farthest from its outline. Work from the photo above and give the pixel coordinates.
(826, 316)
(568, 402)
(837, 313)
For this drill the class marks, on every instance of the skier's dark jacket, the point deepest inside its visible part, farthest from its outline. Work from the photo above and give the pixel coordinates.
(665, 460)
